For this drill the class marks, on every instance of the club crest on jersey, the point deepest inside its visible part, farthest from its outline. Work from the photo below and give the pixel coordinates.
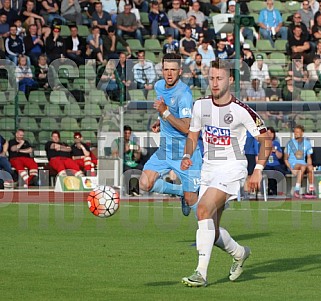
(228, 118)
(172, 101)
(217, 136)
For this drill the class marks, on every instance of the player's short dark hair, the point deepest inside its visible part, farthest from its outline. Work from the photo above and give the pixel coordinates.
(127, 128)
(223, 64)
(300, 127)
(172, 57)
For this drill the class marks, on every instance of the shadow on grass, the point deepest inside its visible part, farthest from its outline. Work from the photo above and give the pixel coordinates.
(263, 269)
(162, 283)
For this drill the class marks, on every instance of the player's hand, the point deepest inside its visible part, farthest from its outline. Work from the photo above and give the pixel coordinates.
(156, 126)
(186, 163)
(255, 180)
(160, 106)
(57, 147)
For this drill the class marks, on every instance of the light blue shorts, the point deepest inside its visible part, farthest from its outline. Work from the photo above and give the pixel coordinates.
(190, 178)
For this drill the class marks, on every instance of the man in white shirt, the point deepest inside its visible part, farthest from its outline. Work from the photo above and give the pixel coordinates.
(260, 70)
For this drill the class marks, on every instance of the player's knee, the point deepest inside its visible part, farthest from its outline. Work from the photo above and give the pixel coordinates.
(202, 212)
(144, 184)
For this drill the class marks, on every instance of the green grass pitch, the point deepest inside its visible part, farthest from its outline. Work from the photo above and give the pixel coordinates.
(62, 252)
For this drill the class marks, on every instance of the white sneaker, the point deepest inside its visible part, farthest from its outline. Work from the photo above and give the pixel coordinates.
(237, 266)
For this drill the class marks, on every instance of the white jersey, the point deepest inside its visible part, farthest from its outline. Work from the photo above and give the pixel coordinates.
(224, 129)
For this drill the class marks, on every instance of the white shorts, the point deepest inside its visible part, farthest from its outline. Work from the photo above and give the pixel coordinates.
(229, 177)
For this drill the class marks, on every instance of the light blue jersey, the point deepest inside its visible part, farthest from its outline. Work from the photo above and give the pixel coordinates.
(297, 152)
(168, 157)
(179, 101)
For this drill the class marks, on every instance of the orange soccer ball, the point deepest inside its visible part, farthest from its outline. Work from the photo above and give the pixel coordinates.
(103, 201)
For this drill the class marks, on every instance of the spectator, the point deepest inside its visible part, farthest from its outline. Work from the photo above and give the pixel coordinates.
(199, 71)
(29, 17)
(188, 46)
(133, 10)
(50, 10)
(82, 156)
(89, 9)
(289, 91)
(317, 13)
(110, 44)
(5, 165)
(273, 163)
(95, 46)
(142, 5)
(124, 76)
(75, 46)
(101, 18)
(55, 45)
(314, 5)
(306, 14)
(245, 76)
(271, 23)
(144, 73)
(131, 166)
(158, 21)
(316, 29)
(195, 11)
(177, 19)
(110, 6)
(298, 44)
(296, 21)
(260, 70)
(207, 32)
(248, 55)
(256, 92)
(170, 45)
(14, 45)
(7, 10)
(245, 32)
(314, 73)
(273, 93)
(34, 44)
(21, 31)
(24, 76)
(223, 51)
(20, 152)
(196, 30)
(71, 11)
(127, 24)
(58, 154)
(297, 70)
(206, 51)
(4, 26)
(41, 72)
(108, 81)
(298, 159)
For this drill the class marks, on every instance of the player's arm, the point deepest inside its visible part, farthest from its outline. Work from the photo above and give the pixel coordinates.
(265, 141)
(190, 146)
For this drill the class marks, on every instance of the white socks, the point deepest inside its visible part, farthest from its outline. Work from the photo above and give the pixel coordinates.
(205, 237)
(229, 245)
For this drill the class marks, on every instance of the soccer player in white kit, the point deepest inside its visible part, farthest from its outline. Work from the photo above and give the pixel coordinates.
(223, 120)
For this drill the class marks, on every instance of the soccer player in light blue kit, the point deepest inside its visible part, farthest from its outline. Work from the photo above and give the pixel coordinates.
(295, 153)
(174, 104)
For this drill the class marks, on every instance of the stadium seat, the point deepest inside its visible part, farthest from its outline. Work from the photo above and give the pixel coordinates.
(68, 71)
(7, 124)
(7, 135)
(308, 95)
(135, 44)
(89, 136)
(30, 137)
(49, 124)
(144, 18)
(92, 109)
(196, 93)
(58, 97)
(153, 45)
(87, 71)
(28, 124)
(277, 70)
(83, 31)
(21, 98)
(69, 123)
(256, 6)
(32, 109)
(53, 110)
(65, 31)
(150, 56)
(292, 6)
(38, 97)
(280, 6)
(277, 58)
(280, 45)
(96, 96)
(73, 110)
(136, 94)
(67, 137)
(82, 84)
(89, 123)
(151, 96)
(10, 110)
(44, 136)
(264, 46)
(252, 47)
(3, 98)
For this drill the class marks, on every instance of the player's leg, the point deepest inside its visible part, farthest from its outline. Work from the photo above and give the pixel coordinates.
(72, 165)
(210, 202)
(18, 165)
(311, 193)
(225, 242)
(151, 178)
(298, 171)
(31, 164)
(57, 164)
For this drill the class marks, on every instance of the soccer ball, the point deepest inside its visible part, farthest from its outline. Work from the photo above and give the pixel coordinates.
(103, 201)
